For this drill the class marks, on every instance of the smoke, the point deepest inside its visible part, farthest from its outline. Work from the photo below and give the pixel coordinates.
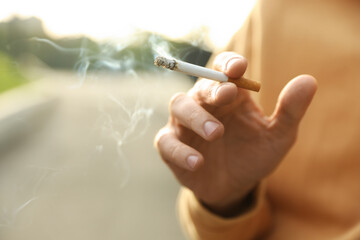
(90, 161)
(57, 47)
(121, 118)
(133, 120)
(160, 47)
(114, 57)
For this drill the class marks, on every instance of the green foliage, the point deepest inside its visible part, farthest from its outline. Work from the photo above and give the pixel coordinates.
(9, 74)
(23, 37)
(20, 37)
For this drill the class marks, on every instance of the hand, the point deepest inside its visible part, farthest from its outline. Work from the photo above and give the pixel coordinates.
(220, 144)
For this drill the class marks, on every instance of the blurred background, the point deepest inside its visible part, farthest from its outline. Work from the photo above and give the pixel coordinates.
(80, 104)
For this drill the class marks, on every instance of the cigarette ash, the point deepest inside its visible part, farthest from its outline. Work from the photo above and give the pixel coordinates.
(165, 63)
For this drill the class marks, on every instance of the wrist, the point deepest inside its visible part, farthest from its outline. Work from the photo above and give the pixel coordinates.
(234, 207)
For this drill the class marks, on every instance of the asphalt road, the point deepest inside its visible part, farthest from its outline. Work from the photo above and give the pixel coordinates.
(78, 162)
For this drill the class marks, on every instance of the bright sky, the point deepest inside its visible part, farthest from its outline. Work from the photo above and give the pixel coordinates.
(117, 19)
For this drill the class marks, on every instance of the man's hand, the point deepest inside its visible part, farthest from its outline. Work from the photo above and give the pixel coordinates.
(220, 144)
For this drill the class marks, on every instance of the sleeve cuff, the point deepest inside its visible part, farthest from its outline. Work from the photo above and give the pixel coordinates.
(200, 223)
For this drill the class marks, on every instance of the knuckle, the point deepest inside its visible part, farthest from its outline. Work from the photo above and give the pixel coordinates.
(204, 91)
(212, 93)
(161, 136)
(175, 99)
(175, 151)
(197, 91)
(193, 117)
(287, 118)
(177, 155)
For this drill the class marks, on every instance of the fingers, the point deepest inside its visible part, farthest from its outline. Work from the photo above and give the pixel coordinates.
(188, 111)
(175, 152)
(215, 93)
(232, 64)
(293, 102)
(191, 115)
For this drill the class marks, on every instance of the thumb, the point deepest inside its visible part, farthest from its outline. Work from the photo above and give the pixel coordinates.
(293, 102)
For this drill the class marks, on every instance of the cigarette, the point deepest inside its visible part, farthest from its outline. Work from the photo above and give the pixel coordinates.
(198, 71)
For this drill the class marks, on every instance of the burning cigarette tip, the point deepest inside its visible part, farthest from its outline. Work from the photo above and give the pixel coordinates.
(165, 62)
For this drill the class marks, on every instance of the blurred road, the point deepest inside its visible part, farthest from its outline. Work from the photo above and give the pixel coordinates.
(79, 163)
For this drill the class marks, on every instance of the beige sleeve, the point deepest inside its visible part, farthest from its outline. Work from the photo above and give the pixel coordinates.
(199, 223)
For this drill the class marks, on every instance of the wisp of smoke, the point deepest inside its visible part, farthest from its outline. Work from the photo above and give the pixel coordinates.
(80, 51)
(130, 124)
(113, 130)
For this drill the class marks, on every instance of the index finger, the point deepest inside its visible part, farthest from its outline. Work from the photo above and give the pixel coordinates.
(217, 94)
(212, 93)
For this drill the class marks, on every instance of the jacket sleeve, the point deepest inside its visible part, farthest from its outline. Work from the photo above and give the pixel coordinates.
(199, 223)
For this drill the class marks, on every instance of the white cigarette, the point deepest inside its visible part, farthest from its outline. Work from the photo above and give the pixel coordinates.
(198, 71)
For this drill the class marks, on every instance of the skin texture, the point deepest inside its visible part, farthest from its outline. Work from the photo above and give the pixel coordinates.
(220, 144)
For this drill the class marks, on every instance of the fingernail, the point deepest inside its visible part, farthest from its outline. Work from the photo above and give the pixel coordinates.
(192, 160)
(210, 127)
(231, 62)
